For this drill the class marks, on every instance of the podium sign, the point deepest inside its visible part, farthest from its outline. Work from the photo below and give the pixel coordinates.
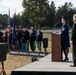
(56, 47)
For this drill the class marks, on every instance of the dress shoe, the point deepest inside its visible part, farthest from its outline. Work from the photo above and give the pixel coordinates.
(65, 60)
(73, 65)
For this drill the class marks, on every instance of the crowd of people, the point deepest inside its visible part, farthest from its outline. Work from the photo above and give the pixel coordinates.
(22, 38)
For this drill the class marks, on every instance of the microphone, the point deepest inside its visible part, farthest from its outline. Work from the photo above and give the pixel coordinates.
(55, 25)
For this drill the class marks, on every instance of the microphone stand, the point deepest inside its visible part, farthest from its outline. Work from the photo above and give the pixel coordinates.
(54, 26)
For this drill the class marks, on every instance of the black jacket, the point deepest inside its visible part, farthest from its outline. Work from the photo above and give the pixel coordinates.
(17, 36)
(39, 36)
(33, 35)
(74, 32)
(25, 36)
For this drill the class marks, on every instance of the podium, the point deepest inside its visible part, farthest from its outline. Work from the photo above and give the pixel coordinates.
(56, 47)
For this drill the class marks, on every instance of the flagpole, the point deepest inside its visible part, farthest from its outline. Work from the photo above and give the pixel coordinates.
(8, 27)
(8, 18)
(9, 12)
(15, 13)
(13, 33)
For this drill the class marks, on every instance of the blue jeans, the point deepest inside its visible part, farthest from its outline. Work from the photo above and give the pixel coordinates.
(39, 45)
(25, 47)
(17, 45)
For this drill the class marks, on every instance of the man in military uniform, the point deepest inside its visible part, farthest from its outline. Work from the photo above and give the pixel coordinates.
(65, 43)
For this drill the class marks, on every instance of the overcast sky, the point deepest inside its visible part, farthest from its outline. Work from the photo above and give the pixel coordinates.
(61, 2)
(17, 4)
(12, 4)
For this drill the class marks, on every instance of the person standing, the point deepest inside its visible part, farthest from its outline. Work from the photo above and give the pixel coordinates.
(10, 40)
(65, 43)
(32, 38)
(17, 38)
(28, 38)
(24, 39)
(39, 36)
(5, 36)
(20, 31)
(73, 38)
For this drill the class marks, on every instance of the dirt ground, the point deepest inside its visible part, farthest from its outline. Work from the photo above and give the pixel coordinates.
(15, 61)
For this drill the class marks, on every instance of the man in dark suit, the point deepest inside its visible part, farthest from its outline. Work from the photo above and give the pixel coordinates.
(74, 40)
(32, 38)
